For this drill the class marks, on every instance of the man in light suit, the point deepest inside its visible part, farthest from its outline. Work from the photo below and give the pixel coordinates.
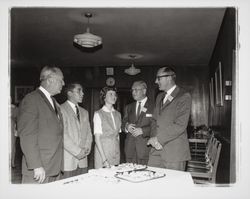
(40, 128)
(137, 123)
(77, 132)
(169, 138)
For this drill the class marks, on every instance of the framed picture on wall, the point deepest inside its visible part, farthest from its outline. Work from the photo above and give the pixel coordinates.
(218, 86)
(211, 92)
(21, 91)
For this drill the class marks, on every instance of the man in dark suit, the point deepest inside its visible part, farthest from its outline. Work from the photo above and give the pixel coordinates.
(40, 129)
(169, 138)
(137, 122)
(77, 132)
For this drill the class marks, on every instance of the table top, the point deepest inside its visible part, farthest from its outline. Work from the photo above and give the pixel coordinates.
(172, 180)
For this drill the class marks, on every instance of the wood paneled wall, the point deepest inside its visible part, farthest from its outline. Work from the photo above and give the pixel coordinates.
(192, 78)
(221, 116)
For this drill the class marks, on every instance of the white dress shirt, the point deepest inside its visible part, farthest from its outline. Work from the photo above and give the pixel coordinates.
(143, 102)
(168, 93)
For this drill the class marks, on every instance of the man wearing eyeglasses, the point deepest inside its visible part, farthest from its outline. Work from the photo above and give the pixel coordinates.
(170, 146)
(136, 123)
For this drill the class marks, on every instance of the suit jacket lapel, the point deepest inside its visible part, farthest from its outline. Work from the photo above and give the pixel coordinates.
(133, 111)
(46, 100)
(72, 113)
(50, 106)
(173, 94)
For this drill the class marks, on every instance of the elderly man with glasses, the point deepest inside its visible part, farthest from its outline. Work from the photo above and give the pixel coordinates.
(170, 146)
(137, 123)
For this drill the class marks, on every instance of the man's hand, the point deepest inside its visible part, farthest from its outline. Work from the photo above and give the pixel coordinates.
(130, 128)
(39, 174)
(82, 154)
(137, 132)
(134, 130)
(106, 164)
(87, 150)
(155, 143)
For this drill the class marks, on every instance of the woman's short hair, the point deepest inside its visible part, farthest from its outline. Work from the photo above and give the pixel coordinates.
(103, 93)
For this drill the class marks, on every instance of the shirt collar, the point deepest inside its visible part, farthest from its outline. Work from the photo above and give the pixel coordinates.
(143, 101)
(171, 90)
(45, 92)
(72, 104)
(105, 108)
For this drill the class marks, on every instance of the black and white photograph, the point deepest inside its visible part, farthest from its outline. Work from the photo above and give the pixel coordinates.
(123, 100)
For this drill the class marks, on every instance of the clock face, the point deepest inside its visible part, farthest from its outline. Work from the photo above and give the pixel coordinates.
(110, 81)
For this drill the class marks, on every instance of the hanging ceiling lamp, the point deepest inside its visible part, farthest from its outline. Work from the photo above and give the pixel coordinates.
(87, 39)
(132, 70)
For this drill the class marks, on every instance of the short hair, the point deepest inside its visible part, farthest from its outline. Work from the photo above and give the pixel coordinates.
(70, 87)
(103, 93)
(170, 71)
(142, 83)
(49, 71)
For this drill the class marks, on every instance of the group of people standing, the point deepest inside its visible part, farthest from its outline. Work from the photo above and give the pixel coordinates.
(56, 139)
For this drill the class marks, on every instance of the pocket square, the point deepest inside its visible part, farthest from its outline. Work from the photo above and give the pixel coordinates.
(148, 115)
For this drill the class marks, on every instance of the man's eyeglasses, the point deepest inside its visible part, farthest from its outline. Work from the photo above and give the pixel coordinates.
(160, 76)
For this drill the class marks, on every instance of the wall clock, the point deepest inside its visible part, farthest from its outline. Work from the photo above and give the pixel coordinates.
(110, 81)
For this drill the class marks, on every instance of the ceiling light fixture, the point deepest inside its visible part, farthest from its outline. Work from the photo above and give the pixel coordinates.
(132, 70)
(88, 40)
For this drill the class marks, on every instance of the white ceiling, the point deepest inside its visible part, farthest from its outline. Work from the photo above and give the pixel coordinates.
(177, 36)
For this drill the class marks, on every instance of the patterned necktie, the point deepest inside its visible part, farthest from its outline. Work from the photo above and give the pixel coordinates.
(138, 111)
(77, 113)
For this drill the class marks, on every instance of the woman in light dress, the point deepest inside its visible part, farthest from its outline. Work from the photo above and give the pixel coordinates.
(107, 125)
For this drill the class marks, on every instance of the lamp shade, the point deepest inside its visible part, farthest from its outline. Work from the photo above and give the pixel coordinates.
(87, 39)
(132, 70)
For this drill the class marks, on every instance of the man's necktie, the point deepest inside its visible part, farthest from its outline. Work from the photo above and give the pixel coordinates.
(165, 98)
(138, 111)
(54, 103)
(77, 113)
